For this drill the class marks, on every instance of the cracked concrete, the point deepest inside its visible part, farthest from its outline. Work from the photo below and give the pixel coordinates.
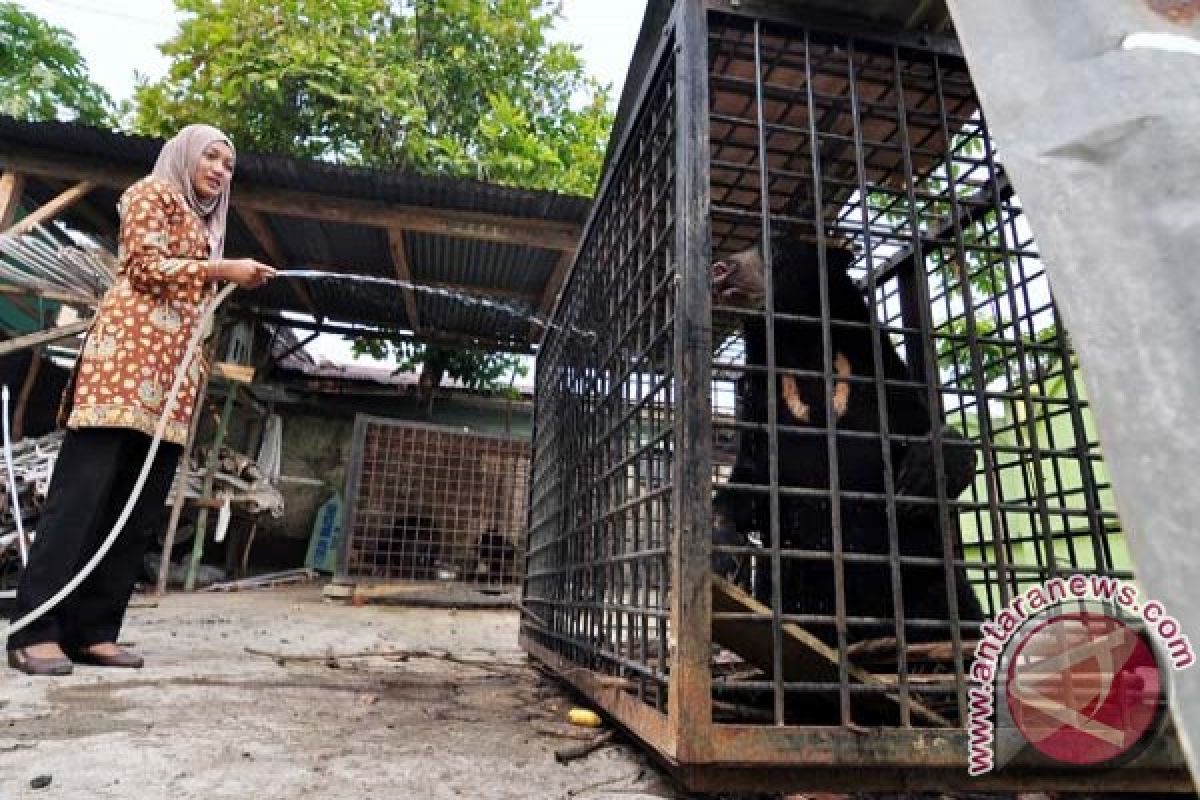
(206, 719)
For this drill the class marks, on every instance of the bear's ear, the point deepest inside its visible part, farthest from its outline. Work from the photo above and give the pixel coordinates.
(837, 259)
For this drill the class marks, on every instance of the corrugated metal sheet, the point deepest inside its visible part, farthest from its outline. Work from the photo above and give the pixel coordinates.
(519, 273)
(392, 186)
(312, 243)
(474, 262)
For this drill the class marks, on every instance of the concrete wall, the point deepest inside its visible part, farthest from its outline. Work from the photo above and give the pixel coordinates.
(317, 435)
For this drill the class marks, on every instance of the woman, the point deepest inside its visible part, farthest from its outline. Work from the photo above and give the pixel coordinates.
(170, 258)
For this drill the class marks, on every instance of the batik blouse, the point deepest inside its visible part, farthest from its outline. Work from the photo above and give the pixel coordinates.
(139, 335)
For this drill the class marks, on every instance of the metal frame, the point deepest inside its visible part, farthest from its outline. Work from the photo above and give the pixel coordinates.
(580, 548)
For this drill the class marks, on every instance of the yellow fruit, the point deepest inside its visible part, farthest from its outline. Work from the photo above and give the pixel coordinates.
(584, 717)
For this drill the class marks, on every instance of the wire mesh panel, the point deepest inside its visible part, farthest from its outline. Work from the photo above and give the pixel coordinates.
(894, 440)
(428, 503)
(602, 509)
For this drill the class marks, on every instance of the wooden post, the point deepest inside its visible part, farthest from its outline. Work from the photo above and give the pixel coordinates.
(211, 466)
(404, 273)
(31, 374)
(12, 187)
(210, 471)
(181, 490)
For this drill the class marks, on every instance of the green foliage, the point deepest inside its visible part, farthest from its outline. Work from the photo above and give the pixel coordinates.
(467, 88)
(43, 76)
(475, 368)
(974, 277)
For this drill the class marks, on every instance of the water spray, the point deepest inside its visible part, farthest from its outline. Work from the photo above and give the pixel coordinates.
(173, 396)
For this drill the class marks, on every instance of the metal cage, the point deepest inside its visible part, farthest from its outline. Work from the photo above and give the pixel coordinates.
(430, 503)
(961, 465)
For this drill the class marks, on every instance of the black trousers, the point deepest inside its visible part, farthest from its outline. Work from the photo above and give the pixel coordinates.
(93, 478)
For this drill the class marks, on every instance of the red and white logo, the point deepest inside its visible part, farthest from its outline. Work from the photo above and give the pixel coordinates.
(1075, 669)
(1085, 688)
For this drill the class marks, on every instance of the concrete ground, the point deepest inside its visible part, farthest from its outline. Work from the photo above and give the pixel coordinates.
(207, 719)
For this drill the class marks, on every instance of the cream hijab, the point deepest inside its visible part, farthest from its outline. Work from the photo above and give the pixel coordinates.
(176, 163)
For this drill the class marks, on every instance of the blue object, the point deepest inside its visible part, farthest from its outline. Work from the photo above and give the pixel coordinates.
(326, 537)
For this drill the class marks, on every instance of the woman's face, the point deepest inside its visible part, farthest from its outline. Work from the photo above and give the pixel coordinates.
(212, 173)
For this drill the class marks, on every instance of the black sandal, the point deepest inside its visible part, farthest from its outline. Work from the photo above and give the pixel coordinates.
(122, 658)
(21, 661)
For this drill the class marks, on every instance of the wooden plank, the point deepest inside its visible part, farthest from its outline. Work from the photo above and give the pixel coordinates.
(404, 273)
(527, 231)
(238, 373)
(42, 337)
(261, 231)
(12, 187)
(52, 209)
(805, 657)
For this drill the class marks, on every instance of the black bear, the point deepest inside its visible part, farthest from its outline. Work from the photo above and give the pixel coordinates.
(805, 518)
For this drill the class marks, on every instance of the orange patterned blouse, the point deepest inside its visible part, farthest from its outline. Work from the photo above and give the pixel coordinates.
(142, 328)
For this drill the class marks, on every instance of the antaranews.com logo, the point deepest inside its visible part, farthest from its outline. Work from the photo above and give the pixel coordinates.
(1075, 668)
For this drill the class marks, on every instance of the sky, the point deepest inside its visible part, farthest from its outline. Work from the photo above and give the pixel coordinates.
(121, 40)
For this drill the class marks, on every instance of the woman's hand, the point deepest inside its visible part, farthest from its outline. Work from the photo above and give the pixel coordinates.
(245, 272)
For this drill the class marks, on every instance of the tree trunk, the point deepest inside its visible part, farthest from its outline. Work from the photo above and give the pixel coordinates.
(429, 381)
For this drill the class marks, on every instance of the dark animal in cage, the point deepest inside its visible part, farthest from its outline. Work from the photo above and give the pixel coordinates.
(414, 549)
(497, 558)
(806, 522)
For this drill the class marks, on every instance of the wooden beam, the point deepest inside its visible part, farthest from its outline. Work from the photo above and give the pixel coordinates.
(444, 222)
(52, 209)
(12, 187)
(105, 225)
(262, 234)
(527, 231)
(550, 293)
(404, 273)
(42, 337)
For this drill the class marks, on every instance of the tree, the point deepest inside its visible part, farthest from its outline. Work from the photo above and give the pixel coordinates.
(473, 367)
(43, 76)
(468, 88)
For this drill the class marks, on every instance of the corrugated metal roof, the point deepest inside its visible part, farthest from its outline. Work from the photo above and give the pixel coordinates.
(472, 262)
(516, 273)
(391, 186)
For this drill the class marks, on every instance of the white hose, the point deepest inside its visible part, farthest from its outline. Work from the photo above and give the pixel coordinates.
(172, 398)
(12, 483)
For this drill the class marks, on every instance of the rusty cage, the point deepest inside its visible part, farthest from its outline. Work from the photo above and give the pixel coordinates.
(830, 626)
(431, 503)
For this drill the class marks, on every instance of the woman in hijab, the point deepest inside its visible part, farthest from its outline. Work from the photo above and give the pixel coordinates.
(170, 261)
